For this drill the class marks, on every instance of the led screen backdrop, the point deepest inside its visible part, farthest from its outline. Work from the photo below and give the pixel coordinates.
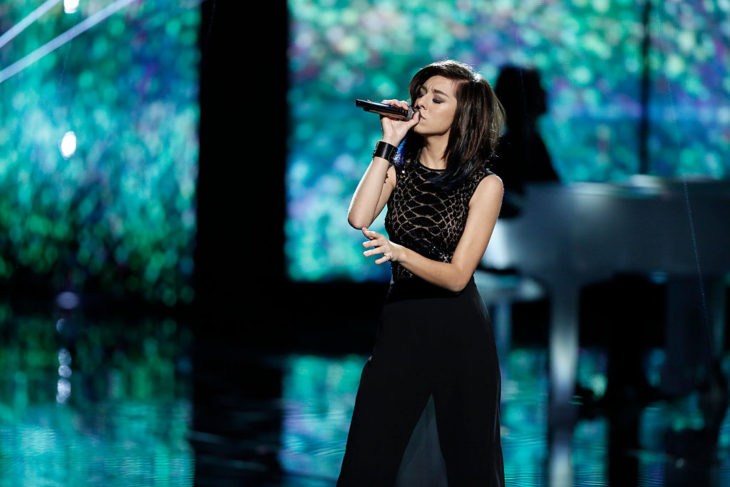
(690, 105)
(99, 145)
(588, 54)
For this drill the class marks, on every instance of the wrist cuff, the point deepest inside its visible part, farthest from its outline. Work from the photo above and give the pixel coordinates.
(385, 150)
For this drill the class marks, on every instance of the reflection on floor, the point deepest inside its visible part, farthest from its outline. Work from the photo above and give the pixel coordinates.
(109, 402)
(93, 402)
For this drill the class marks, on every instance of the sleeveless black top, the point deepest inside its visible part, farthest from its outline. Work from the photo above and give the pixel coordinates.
(425, 218)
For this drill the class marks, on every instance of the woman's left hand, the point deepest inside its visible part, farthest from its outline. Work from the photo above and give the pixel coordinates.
(381, 245)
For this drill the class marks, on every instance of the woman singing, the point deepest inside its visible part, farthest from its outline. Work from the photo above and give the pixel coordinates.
(435, 336)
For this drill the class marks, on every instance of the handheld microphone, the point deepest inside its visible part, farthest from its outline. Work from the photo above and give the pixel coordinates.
(386, 110)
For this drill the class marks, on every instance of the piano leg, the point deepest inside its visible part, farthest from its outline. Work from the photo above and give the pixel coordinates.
(694, 334)
(563, 353)
(563, 361)
(717, 300)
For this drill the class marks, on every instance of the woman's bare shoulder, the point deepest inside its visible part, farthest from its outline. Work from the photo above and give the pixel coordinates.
(489, 188)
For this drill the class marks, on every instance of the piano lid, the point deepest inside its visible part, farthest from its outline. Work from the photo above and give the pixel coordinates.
(642, 185)
(644, 224)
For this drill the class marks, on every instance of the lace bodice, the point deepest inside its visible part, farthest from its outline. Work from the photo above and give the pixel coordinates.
(425, 218)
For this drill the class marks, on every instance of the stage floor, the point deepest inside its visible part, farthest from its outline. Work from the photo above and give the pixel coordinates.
(141, 402)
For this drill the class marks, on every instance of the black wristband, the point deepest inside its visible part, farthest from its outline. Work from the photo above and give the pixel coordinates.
(385, 150)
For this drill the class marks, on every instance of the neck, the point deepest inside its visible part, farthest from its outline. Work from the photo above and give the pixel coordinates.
(432, 153)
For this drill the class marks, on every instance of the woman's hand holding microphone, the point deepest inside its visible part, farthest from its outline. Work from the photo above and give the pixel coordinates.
(395, 130)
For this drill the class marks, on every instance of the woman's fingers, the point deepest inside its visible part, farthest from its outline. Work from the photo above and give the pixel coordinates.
(379, 244)
(380, 250)
(397, 103)
(368, 253)
(370, 234)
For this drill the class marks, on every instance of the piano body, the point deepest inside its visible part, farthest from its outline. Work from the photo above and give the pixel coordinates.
(570, 235)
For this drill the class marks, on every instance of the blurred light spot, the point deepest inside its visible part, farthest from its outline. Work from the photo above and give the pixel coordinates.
(598, 385)
(674, 66)
(723, 115)
(64, 371)
(658, 277)
(63, 390)
(60, 324)
(67, 300)
(70, 6)
(68, 144)
(581, 75)
(64, 357)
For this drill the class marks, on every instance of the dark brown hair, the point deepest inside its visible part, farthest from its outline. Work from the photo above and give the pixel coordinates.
(477, 122)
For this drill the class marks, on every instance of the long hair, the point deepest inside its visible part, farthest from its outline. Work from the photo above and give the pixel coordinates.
(476, 127)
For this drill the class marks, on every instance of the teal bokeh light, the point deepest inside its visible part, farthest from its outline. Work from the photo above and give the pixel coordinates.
(118, 212)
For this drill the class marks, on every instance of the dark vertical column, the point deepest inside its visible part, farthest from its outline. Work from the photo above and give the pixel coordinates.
(243, 129)
(239, 256)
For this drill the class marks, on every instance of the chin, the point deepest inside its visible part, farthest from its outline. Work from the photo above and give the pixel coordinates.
(423, 132)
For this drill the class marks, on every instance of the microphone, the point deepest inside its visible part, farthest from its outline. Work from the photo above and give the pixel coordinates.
(386, 110)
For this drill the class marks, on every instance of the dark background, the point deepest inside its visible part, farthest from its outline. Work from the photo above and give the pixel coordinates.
(242, 292)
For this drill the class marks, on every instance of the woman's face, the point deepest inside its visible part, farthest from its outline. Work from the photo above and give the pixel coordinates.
(437, 105)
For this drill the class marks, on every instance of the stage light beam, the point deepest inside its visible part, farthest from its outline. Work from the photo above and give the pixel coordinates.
(62, 39)
(29, 19)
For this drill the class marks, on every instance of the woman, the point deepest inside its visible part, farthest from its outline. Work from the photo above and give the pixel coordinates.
(435, 337)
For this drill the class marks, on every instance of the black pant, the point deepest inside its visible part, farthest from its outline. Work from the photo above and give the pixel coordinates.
(429, 342)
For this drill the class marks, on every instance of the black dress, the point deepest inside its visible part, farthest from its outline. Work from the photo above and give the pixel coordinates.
(432, 346)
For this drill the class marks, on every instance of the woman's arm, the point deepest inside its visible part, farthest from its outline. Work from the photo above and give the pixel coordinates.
(483, 212)
(374, 188)
(372, 193)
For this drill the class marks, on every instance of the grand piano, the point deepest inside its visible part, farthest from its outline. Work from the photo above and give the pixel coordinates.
(571, 235)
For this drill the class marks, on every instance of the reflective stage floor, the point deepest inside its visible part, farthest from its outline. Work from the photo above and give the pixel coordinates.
(120, 402)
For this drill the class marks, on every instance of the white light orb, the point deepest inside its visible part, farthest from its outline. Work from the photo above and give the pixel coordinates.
(68, 144)
(70, 6)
